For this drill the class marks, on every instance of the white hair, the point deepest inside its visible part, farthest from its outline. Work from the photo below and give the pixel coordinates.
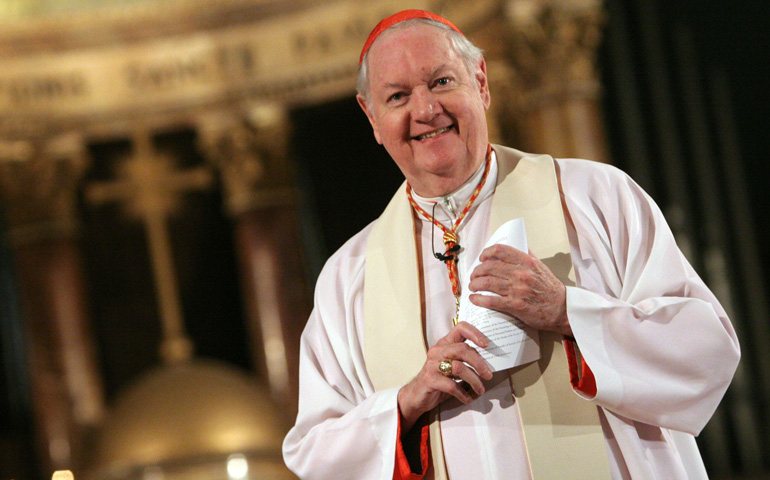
(470, 54)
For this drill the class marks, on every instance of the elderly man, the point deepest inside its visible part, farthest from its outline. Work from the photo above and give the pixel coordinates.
(635, 351)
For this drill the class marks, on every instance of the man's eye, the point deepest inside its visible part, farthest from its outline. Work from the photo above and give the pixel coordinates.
(443, 81)
(396, 97)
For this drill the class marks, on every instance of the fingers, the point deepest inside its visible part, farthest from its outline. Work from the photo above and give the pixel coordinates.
(464, 331)
(501, 261)
(528, 291)
(505, 253)
(509, 305)
(431, 387)
(462, 373)
(461, 355)
(517, 282)
(463, 384)
(467, 364)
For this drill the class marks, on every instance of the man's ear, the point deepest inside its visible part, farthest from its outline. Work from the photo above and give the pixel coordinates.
(483, 82)
(370, 116)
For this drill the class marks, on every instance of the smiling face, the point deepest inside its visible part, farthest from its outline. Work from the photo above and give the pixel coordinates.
(426, 109)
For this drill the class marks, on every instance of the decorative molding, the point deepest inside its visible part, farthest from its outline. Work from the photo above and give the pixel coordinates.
(51, 27)
(308, 54)
(38, 185)
(553, 46)
(250, 149)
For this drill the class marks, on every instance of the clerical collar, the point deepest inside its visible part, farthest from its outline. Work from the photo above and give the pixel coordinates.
(451, 203)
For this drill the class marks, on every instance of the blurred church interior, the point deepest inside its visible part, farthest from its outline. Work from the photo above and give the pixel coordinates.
(174, 173)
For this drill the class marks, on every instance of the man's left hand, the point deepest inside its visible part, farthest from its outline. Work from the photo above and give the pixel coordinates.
(527, 289)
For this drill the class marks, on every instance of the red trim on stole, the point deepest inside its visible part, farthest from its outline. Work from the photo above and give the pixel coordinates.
(584, 380)
(402, 470)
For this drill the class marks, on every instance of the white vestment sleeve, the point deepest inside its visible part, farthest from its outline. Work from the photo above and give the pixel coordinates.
(344, 429)
(658, 342)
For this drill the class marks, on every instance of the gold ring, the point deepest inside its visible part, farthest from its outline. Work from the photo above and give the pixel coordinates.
(445, 367)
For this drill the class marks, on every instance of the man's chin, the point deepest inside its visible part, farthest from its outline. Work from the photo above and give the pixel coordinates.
(436, 149)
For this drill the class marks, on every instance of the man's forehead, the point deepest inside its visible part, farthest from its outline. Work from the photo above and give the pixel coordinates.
(417, 42)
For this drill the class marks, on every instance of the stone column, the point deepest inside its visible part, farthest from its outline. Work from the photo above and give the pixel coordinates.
(39, 182)
(552, 96)
(251, 153)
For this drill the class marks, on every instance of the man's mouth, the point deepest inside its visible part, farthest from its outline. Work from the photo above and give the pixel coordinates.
(426, 136)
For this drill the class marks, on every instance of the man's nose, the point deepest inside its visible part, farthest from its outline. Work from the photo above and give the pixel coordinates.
(426, 105)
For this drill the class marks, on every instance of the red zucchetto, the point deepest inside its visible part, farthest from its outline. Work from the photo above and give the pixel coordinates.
(398, 18)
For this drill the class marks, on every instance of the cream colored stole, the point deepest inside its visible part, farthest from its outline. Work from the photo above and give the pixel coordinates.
(562, 431)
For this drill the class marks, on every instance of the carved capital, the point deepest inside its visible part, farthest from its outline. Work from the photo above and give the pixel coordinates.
(552, 46)
(250, 151)
(39, 180)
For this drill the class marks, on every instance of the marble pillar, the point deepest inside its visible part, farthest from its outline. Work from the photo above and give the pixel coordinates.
(39, 181)
(250, 150)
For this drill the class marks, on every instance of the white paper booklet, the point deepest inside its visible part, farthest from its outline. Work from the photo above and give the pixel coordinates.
(511, 342)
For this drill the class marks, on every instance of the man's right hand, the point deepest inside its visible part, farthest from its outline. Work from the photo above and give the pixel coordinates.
(430, 387)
